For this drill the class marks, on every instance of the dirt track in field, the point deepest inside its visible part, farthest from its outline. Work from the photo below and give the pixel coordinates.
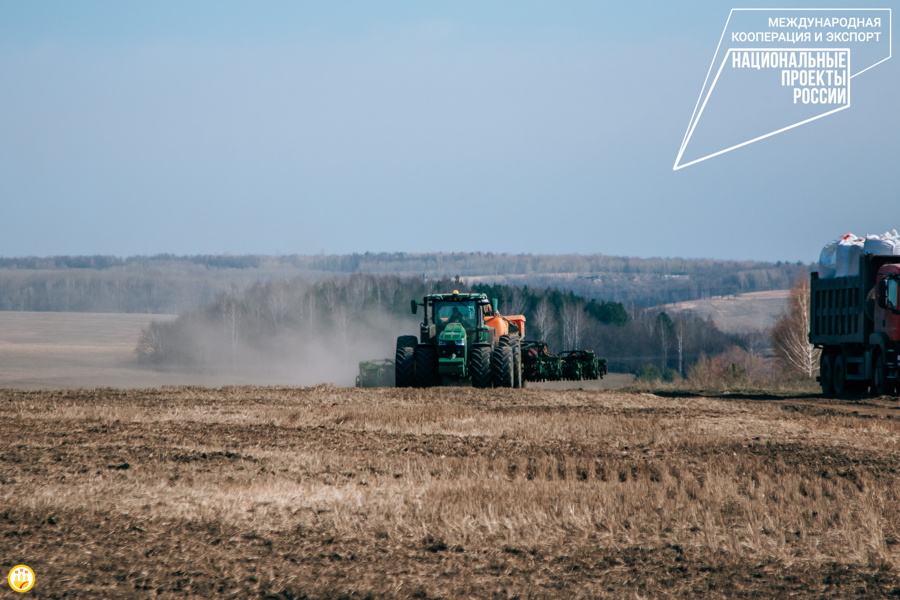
(330, 492)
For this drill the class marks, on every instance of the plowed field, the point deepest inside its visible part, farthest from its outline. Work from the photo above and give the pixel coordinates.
(448, 493)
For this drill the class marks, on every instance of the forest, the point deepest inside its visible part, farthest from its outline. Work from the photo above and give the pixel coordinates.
(171, 284)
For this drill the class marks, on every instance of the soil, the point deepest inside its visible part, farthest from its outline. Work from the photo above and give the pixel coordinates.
(286, 493)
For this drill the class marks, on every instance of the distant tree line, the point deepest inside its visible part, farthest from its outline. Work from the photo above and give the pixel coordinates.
(434, 264)
(170, 284)
(120, 291)
(340, 315)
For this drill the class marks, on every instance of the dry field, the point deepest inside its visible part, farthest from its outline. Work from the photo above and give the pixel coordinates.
(286, 493)
(754, 310)
(57, 349)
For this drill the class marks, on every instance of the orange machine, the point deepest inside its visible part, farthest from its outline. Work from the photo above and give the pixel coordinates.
(502, 325)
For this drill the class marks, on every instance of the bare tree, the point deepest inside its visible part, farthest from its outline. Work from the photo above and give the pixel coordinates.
(342, 320)
(357, 291)
(571, 320)
(276, 302)
(516, 303)
(384, 290)
(255, 298)
(755, 341)
(231, 317)
(311, 311)
(332, 295)
(153, 343)
(790, 334)
(543, 319)
(663, 328)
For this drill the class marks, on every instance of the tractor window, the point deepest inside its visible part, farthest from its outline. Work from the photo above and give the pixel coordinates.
(455, 312)
(892, 292)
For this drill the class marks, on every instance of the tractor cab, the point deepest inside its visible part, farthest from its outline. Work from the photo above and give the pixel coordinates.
(464, 312)
(455, 312)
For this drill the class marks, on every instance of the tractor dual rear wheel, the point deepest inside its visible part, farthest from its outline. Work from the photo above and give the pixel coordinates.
(426, 367)
(480, 366)
(502, 366)
(407, 341)
(518, 376)
(518, 380)
(404, 367)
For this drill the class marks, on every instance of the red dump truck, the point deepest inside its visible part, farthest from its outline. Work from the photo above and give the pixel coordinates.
(856, 322)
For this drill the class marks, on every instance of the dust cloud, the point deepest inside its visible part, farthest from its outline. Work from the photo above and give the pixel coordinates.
(331, 354)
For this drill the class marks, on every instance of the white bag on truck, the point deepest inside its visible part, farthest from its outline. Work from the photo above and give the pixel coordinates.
(840, 258)
(848, 253)
(835, 258)
(828, 260)
(883, 245)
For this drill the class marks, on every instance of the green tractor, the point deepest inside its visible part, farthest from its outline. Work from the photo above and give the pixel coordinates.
(375, 373)
(582, 364)
(462, 337)
(538, 364)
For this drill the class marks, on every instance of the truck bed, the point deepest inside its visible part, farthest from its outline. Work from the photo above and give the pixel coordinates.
(838, 304)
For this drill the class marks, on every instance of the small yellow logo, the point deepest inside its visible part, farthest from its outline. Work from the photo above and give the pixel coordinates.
(21, 578)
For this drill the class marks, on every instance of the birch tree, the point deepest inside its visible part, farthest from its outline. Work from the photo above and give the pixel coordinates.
(232, 318)
(571, 318)
(516, 303)
(543, 319)
(790, 335)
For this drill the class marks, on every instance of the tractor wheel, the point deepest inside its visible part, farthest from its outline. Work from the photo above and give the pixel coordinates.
(504, 340)
(407, 341)
(480, 366)
(840, 376)
(502, 367)
(826, 374)
(404, 367)
(880, 383)
(518, 381)
(426, 367)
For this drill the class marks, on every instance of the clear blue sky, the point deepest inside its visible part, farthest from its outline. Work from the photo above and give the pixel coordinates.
(255, 127)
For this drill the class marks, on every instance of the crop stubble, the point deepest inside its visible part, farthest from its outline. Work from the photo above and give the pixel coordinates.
(329, 492)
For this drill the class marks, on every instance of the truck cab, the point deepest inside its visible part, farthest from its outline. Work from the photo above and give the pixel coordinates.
(887, 304)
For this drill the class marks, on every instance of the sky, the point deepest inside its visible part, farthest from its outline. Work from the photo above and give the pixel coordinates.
(211, 127)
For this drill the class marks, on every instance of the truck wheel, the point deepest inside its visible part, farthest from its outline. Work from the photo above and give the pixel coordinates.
(502, 367)
(480, 366)
(880, 383)
(840, 375)
(404, 367)
(826, 374)
(426, 367)
(518, 382)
